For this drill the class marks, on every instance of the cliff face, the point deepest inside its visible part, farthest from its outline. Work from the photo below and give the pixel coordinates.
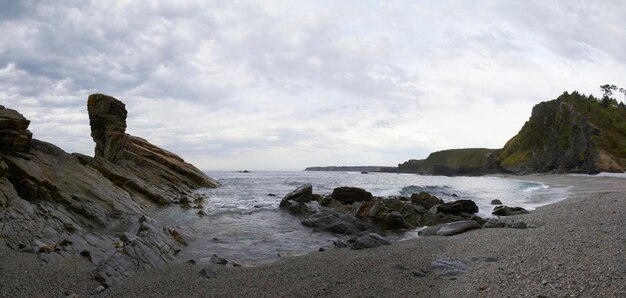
(53, 203)
(572, 133)
(130, 162)
(453, 162)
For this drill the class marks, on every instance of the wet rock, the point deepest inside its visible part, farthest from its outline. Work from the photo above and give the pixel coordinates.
(459, 207)
(449, 229)
(301, 194)
(333, 222)
(457, 227)
(349, 195)
(218, 260)
(436, 218)
(425, 200)
(507, 211)
(448, 267)
(496, 202)
(294, 202)
(369, 241)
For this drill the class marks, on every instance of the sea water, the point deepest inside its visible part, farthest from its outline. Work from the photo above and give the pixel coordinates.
(245, 225)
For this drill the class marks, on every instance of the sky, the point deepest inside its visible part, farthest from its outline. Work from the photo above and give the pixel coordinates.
(282, 85)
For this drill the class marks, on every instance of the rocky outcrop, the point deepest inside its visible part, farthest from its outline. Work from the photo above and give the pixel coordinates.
(349, 195)
(56, 204)
(14, 134)
(358, 213)
(573, 133)
(133, 163)
(507, 211)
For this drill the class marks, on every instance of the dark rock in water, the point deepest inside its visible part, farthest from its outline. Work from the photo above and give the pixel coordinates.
(368, 241)
(425, 200)
(332, 222)
(217, 260)
(296, 208)
(349, 195)
(506, 211)
(207, 273)
(271, 195)
(294, 202)
(496, 202)
(301, 194)
(458, 227)
(459, 207)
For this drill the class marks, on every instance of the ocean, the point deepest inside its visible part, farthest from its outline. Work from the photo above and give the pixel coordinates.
(245, 225)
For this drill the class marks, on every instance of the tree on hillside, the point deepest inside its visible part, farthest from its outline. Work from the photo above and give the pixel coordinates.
(607, 92)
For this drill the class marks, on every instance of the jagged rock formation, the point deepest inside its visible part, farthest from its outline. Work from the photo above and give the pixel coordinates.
(571, 134)
(355, 212)
(53, 203)
(14, 134)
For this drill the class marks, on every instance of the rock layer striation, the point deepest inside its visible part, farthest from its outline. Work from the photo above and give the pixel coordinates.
(57, 204)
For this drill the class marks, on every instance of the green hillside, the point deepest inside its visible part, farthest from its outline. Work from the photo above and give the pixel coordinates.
(573, 133)
(470, 161)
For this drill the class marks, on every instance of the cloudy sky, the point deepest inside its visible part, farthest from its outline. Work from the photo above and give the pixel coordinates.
(281, 85)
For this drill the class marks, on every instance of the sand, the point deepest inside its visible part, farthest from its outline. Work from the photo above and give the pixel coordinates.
(576, 247)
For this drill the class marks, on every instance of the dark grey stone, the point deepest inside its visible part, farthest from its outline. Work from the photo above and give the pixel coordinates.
(207, 273)
(457, 227)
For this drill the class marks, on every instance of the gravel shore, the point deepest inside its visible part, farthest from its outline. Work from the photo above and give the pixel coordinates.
(575, 247)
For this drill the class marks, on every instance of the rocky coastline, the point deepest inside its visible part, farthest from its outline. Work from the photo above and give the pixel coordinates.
(365, 220)
(58, 205)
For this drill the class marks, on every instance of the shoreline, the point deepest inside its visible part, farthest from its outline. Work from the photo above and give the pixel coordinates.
(575, 248)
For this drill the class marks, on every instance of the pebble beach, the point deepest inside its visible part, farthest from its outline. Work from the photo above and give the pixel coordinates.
(572, 248)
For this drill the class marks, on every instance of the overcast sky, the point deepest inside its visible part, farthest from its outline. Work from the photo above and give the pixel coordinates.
(281, 85)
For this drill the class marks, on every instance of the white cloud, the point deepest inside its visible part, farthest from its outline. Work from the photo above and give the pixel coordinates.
(287, 84)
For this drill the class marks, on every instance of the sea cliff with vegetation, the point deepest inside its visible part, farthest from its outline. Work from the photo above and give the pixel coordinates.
(574, 133)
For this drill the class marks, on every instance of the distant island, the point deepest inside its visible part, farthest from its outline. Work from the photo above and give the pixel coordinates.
(351, 168)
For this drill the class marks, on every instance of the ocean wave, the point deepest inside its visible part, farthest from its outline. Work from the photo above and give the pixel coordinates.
(431, 189)
(535, 188)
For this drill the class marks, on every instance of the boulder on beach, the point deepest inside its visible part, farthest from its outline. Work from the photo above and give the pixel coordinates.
(369, 241)
(450, 229)
(459, 207)
(426, 200)
(377, 214)
(507, 211)
(349, 195)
